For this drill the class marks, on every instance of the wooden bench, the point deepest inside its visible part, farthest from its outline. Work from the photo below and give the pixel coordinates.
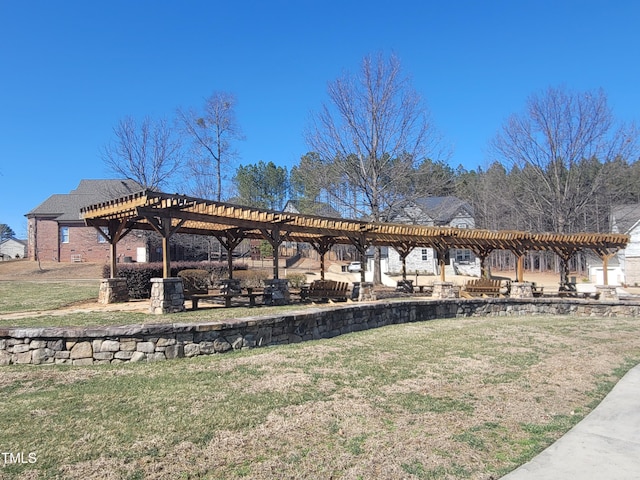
(328, 290)
(483, 287)
(574, 293)
(196, 297)
(428, 289)
(405, 286)
(536, 290)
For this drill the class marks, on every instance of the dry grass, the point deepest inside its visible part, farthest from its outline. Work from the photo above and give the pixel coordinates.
(459, 398)
(445, 399)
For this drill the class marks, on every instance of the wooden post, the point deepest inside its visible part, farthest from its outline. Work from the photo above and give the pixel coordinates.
(605, 270)
(166, 258)
(230, 241)
(361, 244)
(274, 239)
(404, 251)
(520, 268)
(442, 261)
(164, 228)
(116, 231)
(482, 253)
(322, 246)
(112, 259)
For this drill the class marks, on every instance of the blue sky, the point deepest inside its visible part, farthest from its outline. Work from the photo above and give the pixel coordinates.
(70, 70)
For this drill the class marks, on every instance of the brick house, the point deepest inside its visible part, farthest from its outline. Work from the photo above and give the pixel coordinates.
(56, 232)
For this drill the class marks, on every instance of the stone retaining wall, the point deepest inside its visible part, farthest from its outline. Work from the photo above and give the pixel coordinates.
(155, 342)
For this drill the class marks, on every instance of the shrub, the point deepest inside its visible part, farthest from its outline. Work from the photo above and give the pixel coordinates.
(251, 278)
(139, 275)
(195, 280)
(297, 279)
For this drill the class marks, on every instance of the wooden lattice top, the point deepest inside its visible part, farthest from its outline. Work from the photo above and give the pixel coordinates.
(204, 217)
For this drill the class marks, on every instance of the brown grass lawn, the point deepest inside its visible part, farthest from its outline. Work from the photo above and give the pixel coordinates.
(444, 399)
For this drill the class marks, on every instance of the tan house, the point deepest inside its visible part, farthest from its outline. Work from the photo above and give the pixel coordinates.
(56, 231)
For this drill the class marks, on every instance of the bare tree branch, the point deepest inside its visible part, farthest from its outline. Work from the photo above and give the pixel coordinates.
(211, 133)
(148, 153)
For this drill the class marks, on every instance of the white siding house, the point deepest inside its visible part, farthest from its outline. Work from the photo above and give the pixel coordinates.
(13, 248)
(435, 211)
(625, 219)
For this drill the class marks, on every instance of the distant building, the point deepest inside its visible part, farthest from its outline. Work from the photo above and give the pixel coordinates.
(311, 208)
(624, 219)
(439, 212)
(13, 248)
(56, 231)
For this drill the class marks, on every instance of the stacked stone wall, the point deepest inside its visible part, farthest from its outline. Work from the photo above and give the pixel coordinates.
(157, 342)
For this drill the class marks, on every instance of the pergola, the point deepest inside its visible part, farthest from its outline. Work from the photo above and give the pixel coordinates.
(230, 224)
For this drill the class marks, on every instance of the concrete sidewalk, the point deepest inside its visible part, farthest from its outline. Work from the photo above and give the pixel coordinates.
(605, 445)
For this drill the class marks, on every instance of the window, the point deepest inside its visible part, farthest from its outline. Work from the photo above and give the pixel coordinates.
(425, 254)
(64, 234)
(102, 239)
(463, 256)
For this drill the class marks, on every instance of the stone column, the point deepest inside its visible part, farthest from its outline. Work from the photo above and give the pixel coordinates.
(113, 290)
(276, 292)
(230, 286)
(366, 292)
(445, 290)
(608, 293)
(521, 290)
(167, 296)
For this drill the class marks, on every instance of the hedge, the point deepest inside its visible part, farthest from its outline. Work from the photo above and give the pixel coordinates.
(139, 275)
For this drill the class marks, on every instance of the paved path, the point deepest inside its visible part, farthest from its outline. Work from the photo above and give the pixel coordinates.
(605, 445)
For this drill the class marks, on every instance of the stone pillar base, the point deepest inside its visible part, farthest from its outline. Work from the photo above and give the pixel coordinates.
(230, 286)
(521, 290)
(113, 290)
(167, 296)
(445, 290)
(276, 292)
(366, 292)
(608, 293)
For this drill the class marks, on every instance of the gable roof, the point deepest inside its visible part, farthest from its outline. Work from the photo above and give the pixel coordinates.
(311, 208)
(15, 240)
(625, 217)
(66, 207)
(432, 210)
(443, 209)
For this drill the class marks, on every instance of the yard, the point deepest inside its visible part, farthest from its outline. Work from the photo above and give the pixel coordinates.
(444, 399)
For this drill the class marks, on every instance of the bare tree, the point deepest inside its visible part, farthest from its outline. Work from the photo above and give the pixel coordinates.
(148, 153)
(371, 137)
(558, 146)
(211, 133)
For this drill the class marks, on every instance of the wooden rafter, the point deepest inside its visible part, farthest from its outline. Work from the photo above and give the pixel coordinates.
(204, 217)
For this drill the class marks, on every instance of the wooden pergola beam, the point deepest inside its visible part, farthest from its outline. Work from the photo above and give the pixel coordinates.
(165, 213)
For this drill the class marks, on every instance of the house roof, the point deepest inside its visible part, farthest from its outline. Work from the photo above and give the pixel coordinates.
(626, 217)
(438, 210)
(311, 208)
(66, 207)
(12, 239)
(443, 209)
